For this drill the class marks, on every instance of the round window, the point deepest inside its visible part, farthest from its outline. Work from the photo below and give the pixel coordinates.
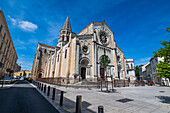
(85, 49)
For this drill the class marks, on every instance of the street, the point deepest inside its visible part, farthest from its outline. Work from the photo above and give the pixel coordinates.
(23, 98)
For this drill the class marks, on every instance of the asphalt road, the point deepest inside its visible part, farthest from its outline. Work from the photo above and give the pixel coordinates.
(23, 98)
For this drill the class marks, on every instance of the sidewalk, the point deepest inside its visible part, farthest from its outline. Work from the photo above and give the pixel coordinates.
(6, 86)
(146, 99)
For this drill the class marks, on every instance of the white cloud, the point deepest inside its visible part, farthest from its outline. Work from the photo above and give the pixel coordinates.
(14, 21)
(27, 26)
(24, 25)
(142, 61)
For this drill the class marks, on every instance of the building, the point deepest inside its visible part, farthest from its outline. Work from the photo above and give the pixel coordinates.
(8, 55)
(149, 72)
(17, 68)
(154, 61)
(23, 73)
(145, 72)
(130, 70)
(77, 57)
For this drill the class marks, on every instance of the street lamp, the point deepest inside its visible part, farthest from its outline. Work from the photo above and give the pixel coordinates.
(1, 64)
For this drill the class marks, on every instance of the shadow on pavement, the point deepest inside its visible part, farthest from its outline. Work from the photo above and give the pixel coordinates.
(164, 99)
(68, 105)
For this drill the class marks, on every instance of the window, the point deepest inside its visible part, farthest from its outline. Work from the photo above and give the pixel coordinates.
(20, 74)
(127, 66)
(1, 45)
(45, 51)
(66, 53)
(156, 59)
(63, 38)
(4, 35)
(127, 72)
(2, 59)
(58, 58)
(118, 58)
(67, 38)
(1, 28)
(7, 42)
(131, 66)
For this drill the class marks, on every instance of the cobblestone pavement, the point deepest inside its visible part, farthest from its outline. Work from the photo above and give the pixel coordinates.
(145, 99)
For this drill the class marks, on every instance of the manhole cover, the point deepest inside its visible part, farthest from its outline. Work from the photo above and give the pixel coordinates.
(124, 100)
(162, 91)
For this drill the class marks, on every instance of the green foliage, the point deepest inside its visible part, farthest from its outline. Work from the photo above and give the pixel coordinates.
(137, 71)
(105, 61)
(164, 67)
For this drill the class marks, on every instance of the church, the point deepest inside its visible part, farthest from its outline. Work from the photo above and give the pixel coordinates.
(77, 57)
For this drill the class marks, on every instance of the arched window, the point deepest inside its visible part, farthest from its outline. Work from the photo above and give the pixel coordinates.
(45, 51)
(58, 58)
(67, 38)
(131, 66)
(66, 53)
(118, 58)
(63, 38)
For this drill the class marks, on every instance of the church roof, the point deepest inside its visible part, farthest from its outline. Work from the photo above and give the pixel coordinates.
(67, 25)
(46, 45)
(94, 23)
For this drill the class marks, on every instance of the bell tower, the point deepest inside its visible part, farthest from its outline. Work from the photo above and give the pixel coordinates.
(65, 32)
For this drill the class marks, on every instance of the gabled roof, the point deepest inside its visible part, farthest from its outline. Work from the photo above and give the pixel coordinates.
(46, 45)
(94, 23)
(119, 49)
(67, 25)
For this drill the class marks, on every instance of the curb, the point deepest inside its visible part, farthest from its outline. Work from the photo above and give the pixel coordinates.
(9, 86)
(59, 109)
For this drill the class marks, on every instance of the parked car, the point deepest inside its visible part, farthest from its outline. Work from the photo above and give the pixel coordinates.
(22, 78)
(8, 80)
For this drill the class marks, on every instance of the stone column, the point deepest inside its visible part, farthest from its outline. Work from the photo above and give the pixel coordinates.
(94, 54)
(77, 57)
(116, 68)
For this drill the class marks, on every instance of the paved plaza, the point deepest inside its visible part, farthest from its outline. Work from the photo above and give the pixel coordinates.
(144, 99)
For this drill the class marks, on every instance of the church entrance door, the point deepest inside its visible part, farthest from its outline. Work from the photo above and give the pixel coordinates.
(40, 75)
(102, 72)
(83, 73)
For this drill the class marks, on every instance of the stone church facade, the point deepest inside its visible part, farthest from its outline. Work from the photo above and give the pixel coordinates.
(77, 57)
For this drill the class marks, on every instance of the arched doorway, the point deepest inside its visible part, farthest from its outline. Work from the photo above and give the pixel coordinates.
(83, 67)
(119, 71)
(40, 75)
(104, 72)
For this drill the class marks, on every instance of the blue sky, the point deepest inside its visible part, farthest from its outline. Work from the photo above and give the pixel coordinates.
(138, 25)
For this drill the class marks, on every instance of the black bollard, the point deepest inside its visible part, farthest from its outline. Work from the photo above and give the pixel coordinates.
(48, 93)
(44, 88)
(40, 86)
(78, 104)
(53, 96)
(61, 98)
(100, 109)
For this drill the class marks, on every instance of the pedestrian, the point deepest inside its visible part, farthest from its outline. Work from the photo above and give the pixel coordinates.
(153, 83)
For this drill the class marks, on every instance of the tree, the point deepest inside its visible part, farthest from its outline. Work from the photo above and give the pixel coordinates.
(137, 71)
(104, 63)
(163, 67)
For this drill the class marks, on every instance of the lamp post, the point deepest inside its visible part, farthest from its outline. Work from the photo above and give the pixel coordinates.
(1, 64)
(7, 70)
